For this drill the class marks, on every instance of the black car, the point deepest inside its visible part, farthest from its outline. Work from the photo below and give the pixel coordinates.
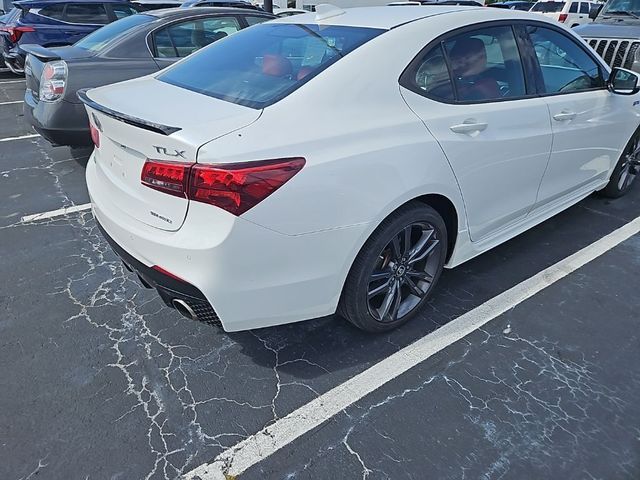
(132, 47)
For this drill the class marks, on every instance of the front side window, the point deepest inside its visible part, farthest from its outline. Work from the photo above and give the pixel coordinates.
(548, 7)
(253, 20)
(88, 13)
(262, 64)
(182, 39)
(485, 65)
(565, 66)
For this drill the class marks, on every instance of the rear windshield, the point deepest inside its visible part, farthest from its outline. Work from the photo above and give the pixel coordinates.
(547, 7)
(262, 64)
(95, 41)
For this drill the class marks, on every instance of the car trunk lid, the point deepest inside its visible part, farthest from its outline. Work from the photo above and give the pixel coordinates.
(147, 119)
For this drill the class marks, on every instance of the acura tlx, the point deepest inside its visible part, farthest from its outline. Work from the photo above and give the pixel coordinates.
(336, 161)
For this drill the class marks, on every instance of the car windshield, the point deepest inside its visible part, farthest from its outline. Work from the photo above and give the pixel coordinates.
(262, 64)
(95, 41)
(621, 7)
(547, 7)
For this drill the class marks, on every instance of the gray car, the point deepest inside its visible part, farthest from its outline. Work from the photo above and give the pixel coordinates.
(132, 47)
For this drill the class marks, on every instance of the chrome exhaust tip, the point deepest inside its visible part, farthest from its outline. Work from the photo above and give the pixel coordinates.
(184, 308)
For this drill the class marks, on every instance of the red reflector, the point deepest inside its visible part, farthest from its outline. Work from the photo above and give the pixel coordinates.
(563, 17)
(168, 274)
(167, 177)
(95, 135)
(238, 187)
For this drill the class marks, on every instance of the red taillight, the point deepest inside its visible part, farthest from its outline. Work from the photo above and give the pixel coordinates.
(563, 17)
(95, 135)
(16, 32)
(166, 177)
(158, 268)
(233, 187)
(238, 187)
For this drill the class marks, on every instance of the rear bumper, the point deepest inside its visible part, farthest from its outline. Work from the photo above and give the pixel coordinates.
(168, 288)
(60, 123)
(252, 276)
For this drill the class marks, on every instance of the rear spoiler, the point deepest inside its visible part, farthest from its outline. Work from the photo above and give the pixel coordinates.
(123, 117)
(41, 52)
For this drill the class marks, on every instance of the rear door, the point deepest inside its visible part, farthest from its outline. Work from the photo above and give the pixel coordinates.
(589, 127)
(495, 134)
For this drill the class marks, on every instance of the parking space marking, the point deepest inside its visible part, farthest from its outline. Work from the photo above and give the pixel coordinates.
(21, 137)
(12, 103)
(55, 213)
(272, 438)
(12, 81)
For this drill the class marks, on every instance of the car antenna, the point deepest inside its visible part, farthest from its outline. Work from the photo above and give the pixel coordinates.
(326, 10)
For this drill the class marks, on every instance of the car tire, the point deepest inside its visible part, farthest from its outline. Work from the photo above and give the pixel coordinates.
(396, 270)
(626, 170)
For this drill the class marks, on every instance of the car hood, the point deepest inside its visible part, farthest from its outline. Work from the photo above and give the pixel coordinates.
(608, 30)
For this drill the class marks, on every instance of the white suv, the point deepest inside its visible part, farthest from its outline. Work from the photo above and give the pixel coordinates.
(571, 14)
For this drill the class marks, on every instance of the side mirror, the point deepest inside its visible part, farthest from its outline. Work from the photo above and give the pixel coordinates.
(623, 81)
(595, 11)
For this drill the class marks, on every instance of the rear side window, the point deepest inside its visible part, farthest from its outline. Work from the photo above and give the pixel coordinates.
(585, 7)
(86, 13)
(53, 11)
(122, 11)
(548, 7)
(573, 8)
(477, 66)
(251, 20)
(100, 38)
(565, 66)
(182, 39)
(262, 64)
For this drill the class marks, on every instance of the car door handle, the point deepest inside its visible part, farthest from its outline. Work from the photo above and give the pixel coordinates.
(469, 126)
(564, 116)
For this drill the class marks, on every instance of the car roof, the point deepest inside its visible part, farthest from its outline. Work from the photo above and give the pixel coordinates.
(385, 17)
(190, 12)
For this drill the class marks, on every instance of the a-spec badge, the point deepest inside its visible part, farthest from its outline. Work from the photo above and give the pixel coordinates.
(164, 151)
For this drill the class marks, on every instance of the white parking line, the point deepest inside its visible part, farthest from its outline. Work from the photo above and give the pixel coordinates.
(256, 448)
(22, 137)
(12, 81)
(55, 213)
(12, 103)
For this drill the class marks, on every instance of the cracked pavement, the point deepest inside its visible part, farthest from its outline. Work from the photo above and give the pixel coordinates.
(101, 380)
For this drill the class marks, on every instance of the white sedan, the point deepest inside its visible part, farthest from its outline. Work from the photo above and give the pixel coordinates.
(337, 161)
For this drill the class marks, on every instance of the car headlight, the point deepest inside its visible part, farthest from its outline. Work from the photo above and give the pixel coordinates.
(53, 81)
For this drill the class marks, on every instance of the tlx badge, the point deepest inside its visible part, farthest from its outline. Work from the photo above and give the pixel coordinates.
(164, 151)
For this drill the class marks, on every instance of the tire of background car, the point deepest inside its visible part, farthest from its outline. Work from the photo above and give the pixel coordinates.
(396, 270)
(626, 170)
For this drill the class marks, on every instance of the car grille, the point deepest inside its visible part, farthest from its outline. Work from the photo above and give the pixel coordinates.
(617, 53)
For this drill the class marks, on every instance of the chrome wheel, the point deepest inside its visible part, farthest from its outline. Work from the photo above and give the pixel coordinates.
(629, 168)
(404, 272)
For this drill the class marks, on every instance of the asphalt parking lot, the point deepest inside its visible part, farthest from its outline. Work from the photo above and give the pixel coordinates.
(100, 381)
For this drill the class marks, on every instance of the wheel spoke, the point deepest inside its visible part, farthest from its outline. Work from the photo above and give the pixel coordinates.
(421, 276)
(427, 251)
(379, 276)
(422, 243)
(414, 288)
(624, 175)
(407, 240)
(388, 300)
(395, 245)
(378, 290)
(393, 315)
